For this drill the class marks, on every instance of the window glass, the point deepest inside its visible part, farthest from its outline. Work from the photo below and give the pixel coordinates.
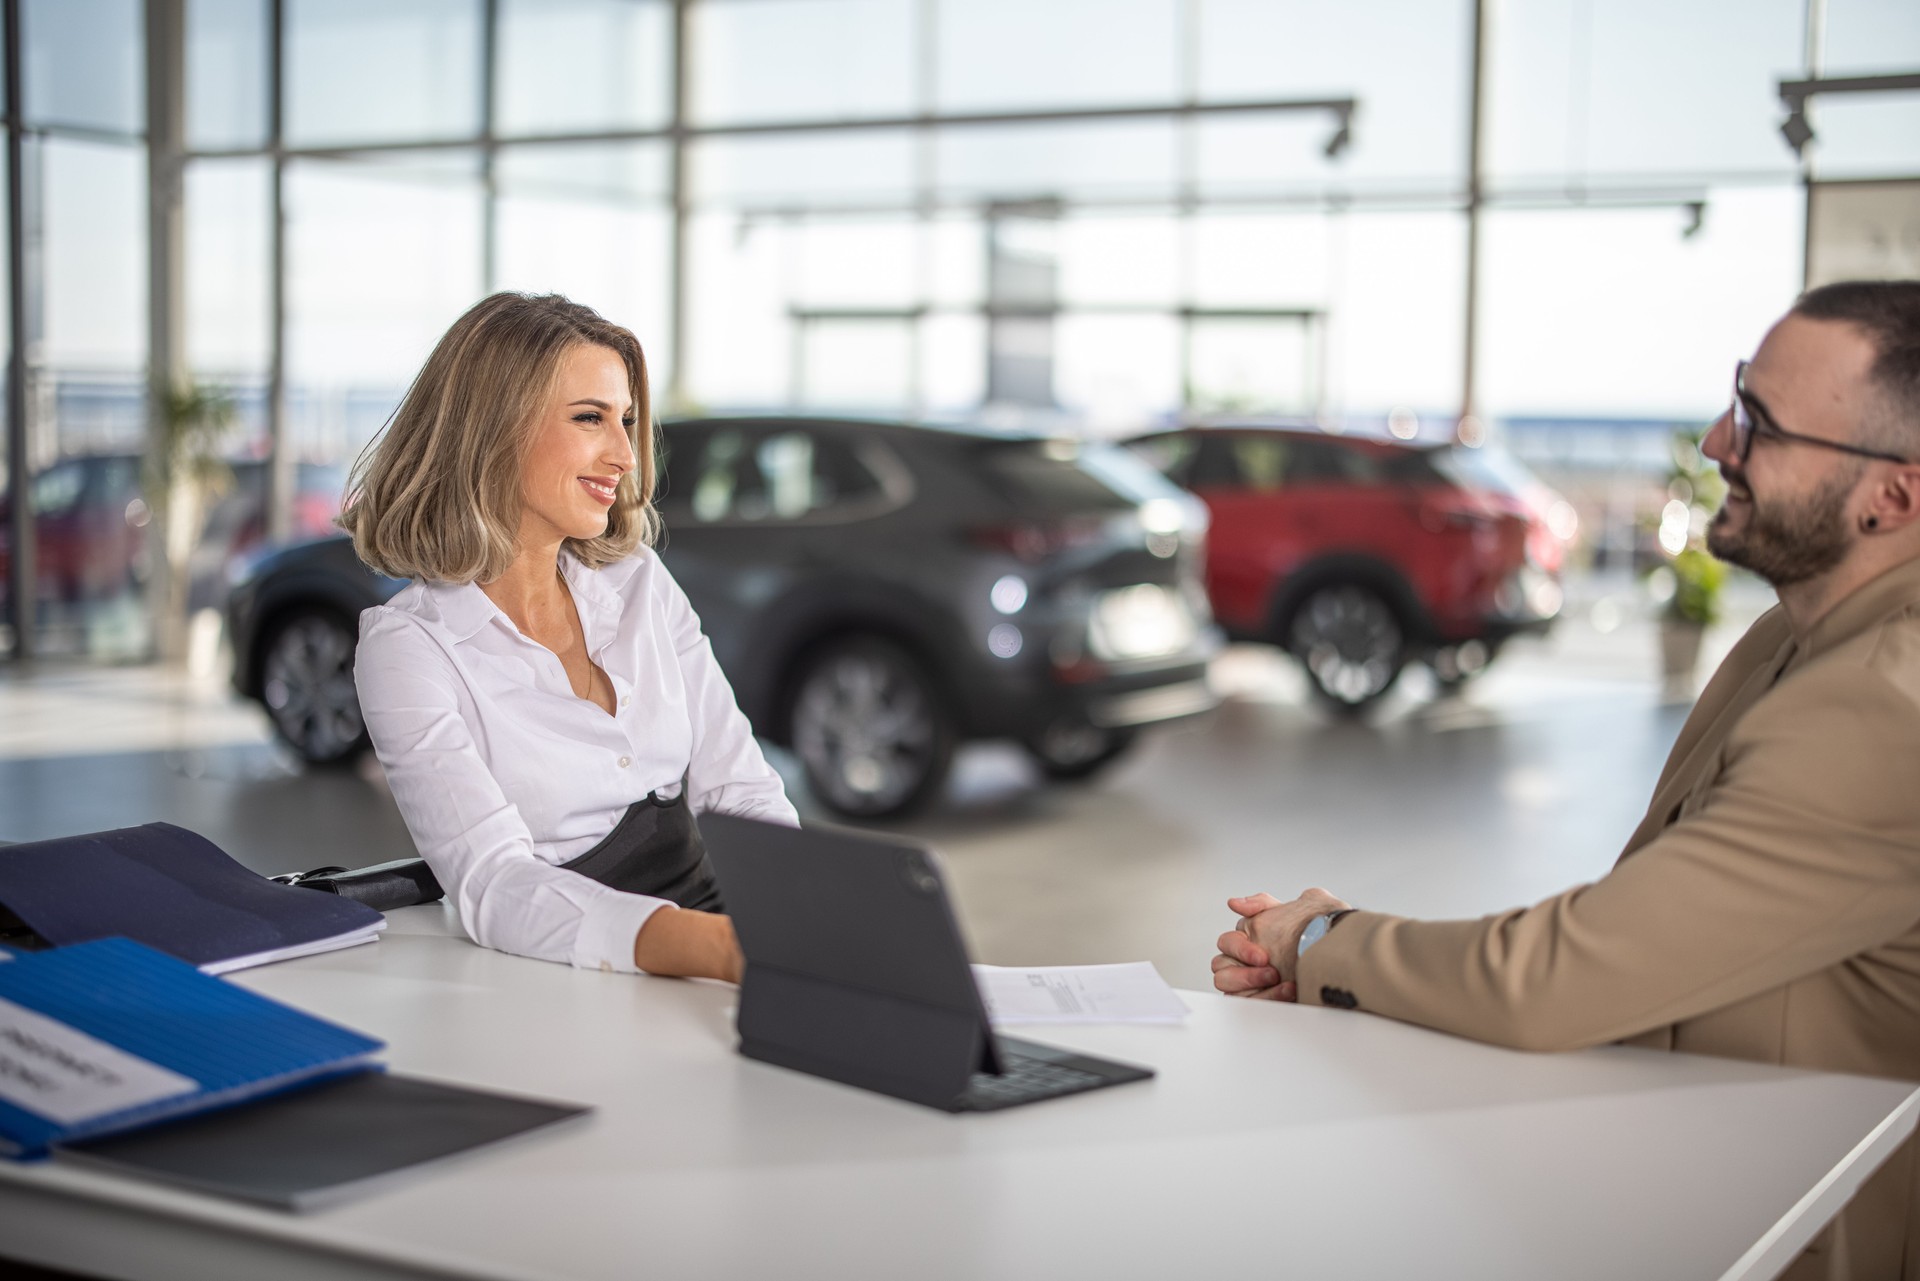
(1870, 37)
(227, 63)
(1008, 54)
(590, 222)
(382, 70)
(856, 365)
(573, 65)
(1558, 280)
(1171, 454)
(735, 474)
(229, 212)
(1327, 462)
(57, 490)
(1063, 475)
(816, 170)
(84, 63)
(94, 238)
(1580, 87)
(1245, 365)
(1405, 60)
(1117, 370)
(382, 258)
(1866, 136)
(1031, 162)
(803, 59)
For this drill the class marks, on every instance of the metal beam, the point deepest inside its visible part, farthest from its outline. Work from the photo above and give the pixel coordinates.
(679, 211)
(679, 128)
(1476, 129)
(279, 446)
(167, 370)
(21, 587)
(1795, 92)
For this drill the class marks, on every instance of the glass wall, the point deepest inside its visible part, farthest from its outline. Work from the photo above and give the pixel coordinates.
(1096, 214)
(84, 229)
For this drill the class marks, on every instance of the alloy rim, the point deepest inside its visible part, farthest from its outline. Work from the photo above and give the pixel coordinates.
(865, 730)
(1350, 641)
(309, 690)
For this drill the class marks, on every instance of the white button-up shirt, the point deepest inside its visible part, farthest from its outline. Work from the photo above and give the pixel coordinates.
(502, 772)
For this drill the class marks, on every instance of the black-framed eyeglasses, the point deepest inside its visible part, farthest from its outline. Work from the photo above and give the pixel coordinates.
(1750, 418)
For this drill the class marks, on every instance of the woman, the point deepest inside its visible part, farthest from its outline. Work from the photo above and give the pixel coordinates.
(548, 711)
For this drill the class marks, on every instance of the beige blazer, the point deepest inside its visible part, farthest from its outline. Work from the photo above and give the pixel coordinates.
(1767, 908)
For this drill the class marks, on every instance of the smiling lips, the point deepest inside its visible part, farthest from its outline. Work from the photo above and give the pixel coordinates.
(602, 490)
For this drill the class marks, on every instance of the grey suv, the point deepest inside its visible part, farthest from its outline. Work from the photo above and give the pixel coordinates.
(875, 592)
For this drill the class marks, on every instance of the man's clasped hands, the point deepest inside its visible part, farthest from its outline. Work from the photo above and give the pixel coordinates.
(1260, 956)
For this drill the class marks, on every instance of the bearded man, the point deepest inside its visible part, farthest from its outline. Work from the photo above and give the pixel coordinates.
(1768, 906)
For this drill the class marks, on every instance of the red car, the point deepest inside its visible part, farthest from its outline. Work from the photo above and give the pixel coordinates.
(1358, 555)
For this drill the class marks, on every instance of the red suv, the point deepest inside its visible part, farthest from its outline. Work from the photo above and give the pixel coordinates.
(1359, 554)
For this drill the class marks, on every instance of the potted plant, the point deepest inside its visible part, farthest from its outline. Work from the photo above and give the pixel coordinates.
(1696, 579)
(184, 475)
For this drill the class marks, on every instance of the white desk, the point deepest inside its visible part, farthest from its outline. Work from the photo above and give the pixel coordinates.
(1370, 1149)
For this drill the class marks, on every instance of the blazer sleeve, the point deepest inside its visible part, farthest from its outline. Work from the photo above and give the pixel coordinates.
(1805, 851)
(461, 821)
(726, 772)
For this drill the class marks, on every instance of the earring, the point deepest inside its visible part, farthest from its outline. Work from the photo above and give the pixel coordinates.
(1870, 523)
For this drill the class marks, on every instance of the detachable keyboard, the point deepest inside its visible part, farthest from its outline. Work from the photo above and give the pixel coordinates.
(1032, 1072)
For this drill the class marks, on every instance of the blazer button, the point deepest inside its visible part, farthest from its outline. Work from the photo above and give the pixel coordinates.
(1339, 998)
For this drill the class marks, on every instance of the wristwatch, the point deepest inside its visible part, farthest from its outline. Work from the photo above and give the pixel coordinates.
(1317, 928)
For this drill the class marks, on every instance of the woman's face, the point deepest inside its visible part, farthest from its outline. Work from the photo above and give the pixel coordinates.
(580, 449)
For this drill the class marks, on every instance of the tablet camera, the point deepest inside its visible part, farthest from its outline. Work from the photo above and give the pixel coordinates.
(919, 875)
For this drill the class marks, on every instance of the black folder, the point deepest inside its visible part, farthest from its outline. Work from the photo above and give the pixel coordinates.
(324, 1144)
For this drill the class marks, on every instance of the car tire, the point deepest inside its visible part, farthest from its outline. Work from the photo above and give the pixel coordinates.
(870, 729)
(306, 685)
(1071, 750)
(1455, 665)
(1349, 638)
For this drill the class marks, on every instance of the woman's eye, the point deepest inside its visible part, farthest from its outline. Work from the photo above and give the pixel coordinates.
(591, 416)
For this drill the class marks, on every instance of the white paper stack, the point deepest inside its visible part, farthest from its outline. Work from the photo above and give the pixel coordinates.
(1132, 992)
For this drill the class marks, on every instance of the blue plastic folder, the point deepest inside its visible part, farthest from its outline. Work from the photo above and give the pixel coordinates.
(107, 1036)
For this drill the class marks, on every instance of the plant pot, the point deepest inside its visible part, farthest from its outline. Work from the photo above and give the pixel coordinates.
(1679, 657)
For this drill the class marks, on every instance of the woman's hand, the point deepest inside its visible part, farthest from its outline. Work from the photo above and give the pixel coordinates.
(682, 943)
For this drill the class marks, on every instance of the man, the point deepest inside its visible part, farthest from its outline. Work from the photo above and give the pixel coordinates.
(1768, 906)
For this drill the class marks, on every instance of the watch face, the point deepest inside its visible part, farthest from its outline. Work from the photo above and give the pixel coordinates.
(1315, 931)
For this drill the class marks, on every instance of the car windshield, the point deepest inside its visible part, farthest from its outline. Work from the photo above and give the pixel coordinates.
(1075, 475)
(1486, 468)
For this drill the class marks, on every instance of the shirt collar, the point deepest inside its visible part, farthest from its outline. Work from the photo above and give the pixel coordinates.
(463, 608)
(599, 604)
(1893, 593)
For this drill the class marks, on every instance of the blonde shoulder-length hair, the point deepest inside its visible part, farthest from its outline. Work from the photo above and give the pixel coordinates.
(437, 494)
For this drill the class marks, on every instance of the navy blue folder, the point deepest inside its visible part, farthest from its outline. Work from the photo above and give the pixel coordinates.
(169, 888)
(223, 1043)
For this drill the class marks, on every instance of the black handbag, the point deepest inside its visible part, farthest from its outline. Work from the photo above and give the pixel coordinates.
(383, 887)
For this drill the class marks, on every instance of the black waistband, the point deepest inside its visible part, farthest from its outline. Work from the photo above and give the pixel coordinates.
(655, 849)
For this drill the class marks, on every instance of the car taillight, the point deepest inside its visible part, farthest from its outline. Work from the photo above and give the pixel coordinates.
(1033, 541)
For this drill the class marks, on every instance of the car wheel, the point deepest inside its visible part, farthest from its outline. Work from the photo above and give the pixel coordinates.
(1454, 665)
(869, 728)
(1350, 640)
(306, 683)
(1070, 749)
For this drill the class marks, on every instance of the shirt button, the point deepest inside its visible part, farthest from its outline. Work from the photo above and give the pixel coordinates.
(625, 761)
(625, 699)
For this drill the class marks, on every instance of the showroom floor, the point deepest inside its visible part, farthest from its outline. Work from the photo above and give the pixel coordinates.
(1523, 785)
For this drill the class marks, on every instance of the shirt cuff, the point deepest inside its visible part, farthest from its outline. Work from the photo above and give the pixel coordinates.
(608, 928)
